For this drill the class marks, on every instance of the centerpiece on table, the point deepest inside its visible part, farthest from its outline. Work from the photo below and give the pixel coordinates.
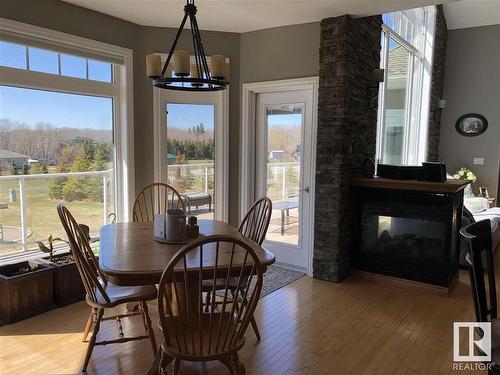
(171, 227)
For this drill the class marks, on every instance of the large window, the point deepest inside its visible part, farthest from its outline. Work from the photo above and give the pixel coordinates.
(60, 139)
(407, 40)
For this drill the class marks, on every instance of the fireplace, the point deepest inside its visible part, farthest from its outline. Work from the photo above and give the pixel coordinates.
(409, 232)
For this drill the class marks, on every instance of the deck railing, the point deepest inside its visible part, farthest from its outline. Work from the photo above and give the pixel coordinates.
(204, 171)
(22, 198)
(282, 180)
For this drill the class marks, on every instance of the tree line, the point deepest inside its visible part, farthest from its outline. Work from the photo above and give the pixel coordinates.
(44, 140)
(191, 150)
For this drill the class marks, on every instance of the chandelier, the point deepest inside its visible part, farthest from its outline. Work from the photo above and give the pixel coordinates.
(188, 73)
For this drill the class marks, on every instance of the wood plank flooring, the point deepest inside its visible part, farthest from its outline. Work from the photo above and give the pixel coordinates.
(308, 327)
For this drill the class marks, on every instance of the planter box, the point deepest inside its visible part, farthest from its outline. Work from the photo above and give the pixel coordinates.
(68, 286)
(25, 295)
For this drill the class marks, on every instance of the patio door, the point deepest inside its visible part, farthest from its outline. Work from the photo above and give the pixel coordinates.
(190, 149)
(284, 153)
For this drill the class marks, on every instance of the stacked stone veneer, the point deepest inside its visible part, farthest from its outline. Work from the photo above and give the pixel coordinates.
(349, 52)
(438, 72)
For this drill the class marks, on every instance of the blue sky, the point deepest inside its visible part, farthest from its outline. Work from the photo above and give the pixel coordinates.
(284, 120)
(61, 110)
(186, 116)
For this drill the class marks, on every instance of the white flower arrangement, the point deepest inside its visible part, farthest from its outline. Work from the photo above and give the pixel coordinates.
(465, 174)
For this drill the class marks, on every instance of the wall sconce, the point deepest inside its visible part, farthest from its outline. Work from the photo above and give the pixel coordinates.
(377, 77)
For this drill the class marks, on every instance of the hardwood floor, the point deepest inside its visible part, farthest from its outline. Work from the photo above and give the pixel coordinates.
(308, 327)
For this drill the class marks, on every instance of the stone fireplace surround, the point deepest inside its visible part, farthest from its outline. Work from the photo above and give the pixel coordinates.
(347, 127)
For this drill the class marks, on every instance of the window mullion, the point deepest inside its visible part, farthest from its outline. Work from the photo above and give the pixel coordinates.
(408, 144)
(382, 122)
(27, 58)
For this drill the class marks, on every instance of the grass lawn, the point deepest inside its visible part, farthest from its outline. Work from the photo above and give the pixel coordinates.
(42, 218)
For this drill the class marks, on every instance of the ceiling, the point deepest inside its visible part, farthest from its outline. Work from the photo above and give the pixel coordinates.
(472, 13)
(243, 15)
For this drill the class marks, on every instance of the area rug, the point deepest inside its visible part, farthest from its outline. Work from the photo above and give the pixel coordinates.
(277, 277)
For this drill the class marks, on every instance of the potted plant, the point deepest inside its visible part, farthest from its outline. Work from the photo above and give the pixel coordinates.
(68, 286)
(26, 289)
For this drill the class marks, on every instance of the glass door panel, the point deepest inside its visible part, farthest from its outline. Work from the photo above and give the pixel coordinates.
(283, 126)
(283, 147)
(190, 156)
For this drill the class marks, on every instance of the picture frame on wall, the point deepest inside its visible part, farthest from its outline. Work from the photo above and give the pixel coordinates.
(471, 125)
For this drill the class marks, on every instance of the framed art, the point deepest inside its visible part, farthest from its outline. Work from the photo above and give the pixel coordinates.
(471, 125)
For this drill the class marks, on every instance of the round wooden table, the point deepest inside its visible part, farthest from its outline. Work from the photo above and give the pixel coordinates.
(129, 256)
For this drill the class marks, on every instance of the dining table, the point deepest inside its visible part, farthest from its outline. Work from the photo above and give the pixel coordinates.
(129, 256)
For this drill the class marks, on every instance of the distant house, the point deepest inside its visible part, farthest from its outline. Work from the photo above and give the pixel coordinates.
(8, 158)
(276, 155)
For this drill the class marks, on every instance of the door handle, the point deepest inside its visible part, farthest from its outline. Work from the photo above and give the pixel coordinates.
(305, 189)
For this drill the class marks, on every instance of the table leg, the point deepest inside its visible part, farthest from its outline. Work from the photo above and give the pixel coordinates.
(282, 222)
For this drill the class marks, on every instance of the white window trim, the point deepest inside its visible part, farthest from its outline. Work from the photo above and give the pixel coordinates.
(415, 138)
(221, 148)
(122, 91)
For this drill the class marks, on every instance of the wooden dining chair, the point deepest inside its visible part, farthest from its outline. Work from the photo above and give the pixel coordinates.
(256, 221)
(254, 226)
(156, 198)
(480, 261)
(101, 294)
(193, 333)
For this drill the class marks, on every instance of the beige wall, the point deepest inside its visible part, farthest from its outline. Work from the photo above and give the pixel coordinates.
(280, 53)
(472, 83)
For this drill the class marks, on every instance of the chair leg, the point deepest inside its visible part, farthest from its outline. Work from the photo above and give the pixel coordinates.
(207, 302)
(96, 317)
(88, 325)
(226, 361)
(175, 366)
(255, 328)
(238, 368)
(149, 328)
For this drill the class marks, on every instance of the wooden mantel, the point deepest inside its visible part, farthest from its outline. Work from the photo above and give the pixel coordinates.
(450, 186)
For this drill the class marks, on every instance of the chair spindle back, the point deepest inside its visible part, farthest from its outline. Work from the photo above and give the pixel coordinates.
(193, 328)
(156, 198)
(85, 260)
(256, 221)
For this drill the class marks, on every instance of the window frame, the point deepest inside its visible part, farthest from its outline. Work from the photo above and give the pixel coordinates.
(120, 90)
(418, 91)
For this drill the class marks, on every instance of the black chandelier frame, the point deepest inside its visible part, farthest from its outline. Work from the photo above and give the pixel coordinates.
(205, 82)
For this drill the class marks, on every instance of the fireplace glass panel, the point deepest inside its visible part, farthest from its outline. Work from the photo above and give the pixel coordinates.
(405, 236)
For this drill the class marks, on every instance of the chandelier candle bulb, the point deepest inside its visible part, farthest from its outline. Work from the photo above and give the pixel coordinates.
(227, 72)
(153, 65)
(181, 63)
(217, 68)
(194, 74)
(168, 71)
